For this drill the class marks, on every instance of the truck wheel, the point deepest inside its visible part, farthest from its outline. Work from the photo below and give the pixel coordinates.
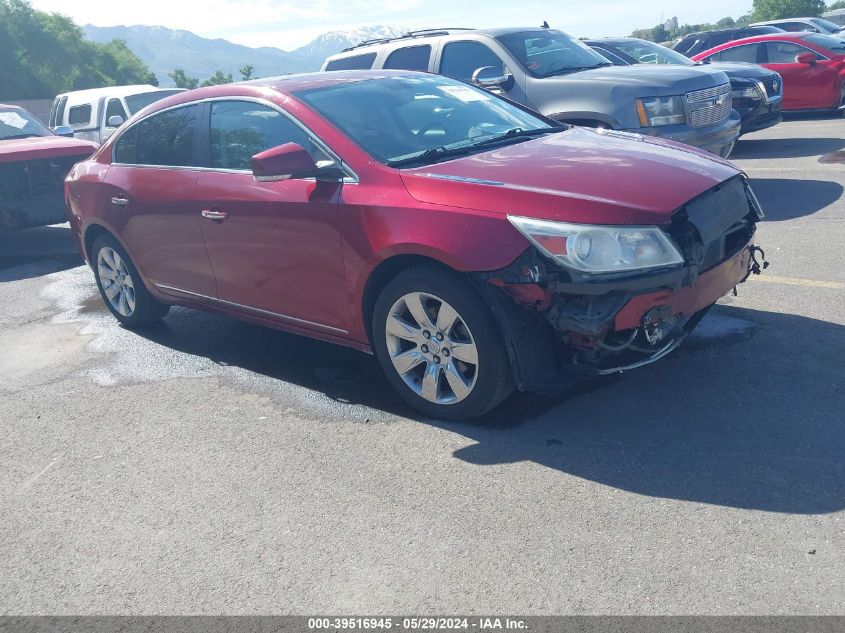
(121, 286)
(438, 344)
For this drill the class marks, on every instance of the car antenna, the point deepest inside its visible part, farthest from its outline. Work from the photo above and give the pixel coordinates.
(545, 25)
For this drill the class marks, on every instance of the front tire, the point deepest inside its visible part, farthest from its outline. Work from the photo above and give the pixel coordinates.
(438, 344)
(121, 286)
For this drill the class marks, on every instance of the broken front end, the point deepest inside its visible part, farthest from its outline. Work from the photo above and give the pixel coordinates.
(32, 192)
(563, 306)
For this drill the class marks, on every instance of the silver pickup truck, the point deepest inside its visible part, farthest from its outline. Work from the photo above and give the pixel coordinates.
(558, 76)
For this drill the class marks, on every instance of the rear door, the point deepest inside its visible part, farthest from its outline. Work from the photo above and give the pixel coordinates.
(275, 247)
(805, 86)
(151, 185)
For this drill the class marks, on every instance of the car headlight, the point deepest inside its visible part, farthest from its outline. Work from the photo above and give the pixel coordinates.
(654, 111)
(746, 92)
(592, 248)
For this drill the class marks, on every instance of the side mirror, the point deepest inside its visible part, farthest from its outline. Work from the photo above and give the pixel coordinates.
(63, 130)
(115, 120)
(806, 58)
(487, 77)
(291, 161)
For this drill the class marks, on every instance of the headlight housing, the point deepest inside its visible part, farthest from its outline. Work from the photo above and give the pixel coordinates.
(655, 111)
(749, 91)
(596, 249)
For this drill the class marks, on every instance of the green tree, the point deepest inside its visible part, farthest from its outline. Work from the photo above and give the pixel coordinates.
(246, 72)
(43, 54)
(777, 9)
(839, 4)
(217, 79)
(726, 23)
(181, 80)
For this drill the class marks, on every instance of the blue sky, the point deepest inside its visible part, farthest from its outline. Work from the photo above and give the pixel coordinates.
(288, 24)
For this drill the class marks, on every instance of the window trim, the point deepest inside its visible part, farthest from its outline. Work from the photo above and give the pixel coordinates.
(205, 118)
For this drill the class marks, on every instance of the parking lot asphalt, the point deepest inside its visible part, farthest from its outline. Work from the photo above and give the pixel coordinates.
(208, 466)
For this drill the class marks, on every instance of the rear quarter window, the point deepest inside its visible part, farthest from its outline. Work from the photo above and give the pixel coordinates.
(356, 62)
(80, 115)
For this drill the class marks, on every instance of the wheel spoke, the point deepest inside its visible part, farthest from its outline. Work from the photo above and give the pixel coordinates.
(399, 328)
(406, 361)
(106, 273)
(129, 293)
(122, 305)
(107, 255)
(456, 381)
(430, 384)
(112, 291)
(417, 310)
(446, 317)
(466, 352)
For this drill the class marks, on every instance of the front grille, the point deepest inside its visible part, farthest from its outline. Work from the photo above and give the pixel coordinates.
(710, 105)
(773, 85)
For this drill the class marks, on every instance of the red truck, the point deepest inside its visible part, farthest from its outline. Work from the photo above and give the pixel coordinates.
(33, 164)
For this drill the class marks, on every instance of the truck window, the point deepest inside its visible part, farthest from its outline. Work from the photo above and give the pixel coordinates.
(410, 58)
(357, 62)
(114, 108)
(80, 115)
(461, 59)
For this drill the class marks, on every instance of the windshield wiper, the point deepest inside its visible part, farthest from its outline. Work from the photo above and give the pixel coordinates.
(436, 153)
(573, 69)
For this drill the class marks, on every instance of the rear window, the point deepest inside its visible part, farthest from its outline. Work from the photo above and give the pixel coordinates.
(79, 115)
(138, 102)
(411, 58)
(356, 62)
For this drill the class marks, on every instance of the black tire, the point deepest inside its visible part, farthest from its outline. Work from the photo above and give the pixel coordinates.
(492, 377)
(146, 309)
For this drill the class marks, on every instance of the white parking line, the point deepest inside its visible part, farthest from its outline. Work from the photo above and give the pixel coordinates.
(792, 281)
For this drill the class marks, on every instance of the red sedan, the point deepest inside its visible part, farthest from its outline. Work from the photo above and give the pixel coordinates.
(812, 65)
(473, 245)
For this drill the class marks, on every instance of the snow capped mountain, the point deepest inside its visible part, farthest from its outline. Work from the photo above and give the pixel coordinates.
(335, 41)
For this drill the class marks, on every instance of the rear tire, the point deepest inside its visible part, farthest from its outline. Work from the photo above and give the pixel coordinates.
(121, 286)
(439, 346)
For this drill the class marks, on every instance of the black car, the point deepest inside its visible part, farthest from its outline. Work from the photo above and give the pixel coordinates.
(757, 91)
(695, 43)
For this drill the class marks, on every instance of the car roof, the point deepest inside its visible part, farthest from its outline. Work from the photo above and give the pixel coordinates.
(120, 91)
(781, 21)
(609, 40)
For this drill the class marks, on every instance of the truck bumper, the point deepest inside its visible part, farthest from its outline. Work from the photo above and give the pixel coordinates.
(718, 138)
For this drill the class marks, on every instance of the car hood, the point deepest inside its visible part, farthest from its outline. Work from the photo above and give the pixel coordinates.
(38, 147)
(646, 80)
(579, 175)
(740, 69)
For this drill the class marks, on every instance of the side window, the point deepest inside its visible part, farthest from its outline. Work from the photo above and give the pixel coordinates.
(115, 108)
(168, 138)
(796, 27)
(411, 58)
(461, 59)
(717, 39)
(242, 129)
(784, 52)
(746, 53)
(126, 149)
(357, 62)
(80, 115)
(60, 111)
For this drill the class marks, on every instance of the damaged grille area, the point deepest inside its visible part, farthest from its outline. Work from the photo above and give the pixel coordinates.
(32, 192)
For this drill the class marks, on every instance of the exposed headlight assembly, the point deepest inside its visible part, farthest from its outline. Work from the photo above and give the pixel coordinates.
(655, 111)
(597, 249)
(747, 92)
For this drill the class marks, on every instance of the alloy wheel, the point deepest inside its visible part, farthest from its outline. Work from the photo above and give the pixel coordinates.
(117, 284)
(431, 348)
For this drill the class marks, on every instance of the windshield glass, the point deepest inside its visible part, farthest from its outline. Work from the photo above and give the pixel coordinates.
(17, 123)
(546, 52)
(650, 53)
(826, 25)
(833, 43)
(399, 117)
(138, 102)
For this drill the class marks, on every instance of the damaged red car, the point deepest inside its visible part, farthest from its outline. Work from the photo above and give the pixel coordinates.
(474, 246)
(33, 164)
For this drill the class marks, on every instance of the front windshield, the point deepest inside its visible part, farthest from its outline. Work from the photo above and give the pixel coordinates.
(650, 53)
(826, 25)
(544, 53)
(17, 123)
(138, 102)
(399, 117)
(833, 43)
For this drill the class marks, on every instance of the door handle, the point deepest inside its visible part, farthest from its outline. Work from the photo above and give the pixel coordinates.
(120, 201)
(214, 216)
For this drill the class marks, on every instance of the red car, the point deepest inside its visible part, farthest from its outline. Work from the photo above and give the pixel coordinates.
(812, 66)
(473, 245)
(33, 164)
